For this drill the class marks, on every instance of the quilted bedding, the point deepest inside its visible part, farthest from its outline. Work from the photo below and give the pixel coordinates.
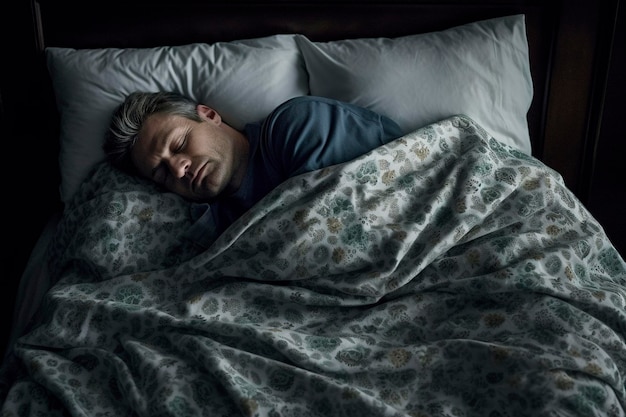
(442, 274)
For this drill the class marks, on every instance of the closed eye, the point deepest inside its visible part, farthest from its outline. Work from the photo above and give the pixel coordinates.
(182, 143)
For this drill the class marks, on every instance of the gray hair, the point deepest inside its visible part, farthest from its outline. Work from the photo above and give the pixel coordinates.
(129, 117)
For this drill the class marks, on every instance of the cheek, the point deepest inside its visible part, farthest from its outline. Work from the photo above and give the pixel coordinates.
(213, 142)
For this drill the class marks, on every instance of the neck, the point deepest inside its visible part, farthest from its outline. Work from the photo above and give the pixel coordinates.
(242, 152)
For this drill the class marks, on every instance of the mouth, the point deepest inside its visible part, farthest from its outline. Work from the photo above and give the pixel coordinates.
(197, 178)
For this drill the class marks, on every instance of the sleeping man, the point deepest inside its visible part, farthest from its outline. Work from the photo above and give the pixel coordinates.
(188, 149)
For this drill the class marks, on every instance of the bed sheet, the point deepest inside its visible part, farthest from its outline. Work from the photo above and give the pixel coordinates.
(34, 283)
(442, 274)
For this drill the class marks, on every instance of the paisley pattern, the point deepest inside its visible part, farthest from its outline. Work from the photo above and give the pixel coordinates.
(120, 224)
(442, 274)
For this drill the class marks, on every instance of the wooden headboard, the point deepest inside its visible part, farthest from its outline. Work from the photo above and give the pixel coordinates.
(569, 49)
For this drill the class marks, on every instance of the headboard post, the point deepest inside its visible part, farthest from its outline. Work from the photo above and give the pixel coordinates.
(578, 78)
(608, 21)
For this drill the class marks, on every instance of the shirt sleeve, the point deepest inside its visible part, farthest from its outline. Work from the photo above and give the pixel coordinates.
(307, 133)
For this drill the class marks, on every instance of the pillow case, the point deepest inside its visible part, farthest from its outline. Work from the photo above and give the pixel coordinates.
(479, 69)
(243, 80)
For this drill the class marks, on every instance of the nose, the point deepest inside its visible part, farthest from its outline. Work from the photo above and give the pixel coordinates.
(179, 166)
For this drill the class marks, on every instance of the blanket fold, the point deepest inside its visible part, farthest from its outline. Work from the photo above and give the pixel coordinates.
(442, 274)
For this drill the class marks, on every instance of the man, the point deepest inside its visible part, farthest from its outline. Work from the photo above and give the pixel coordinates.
(188, 149)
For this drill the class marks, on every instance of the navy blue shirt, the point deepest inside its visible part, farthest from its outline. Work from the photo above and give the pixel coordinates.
(301, 135)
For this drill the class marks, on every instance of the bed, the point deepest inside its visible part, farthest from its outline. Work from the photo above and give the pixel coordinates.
(454, 271)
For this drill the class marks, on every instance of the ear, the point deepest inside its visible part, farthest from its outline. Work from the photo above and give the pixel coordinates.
(209, 114)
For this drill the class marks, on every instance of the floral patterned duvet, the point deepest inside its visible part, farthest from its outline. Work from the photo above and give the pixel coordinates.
(442, 274)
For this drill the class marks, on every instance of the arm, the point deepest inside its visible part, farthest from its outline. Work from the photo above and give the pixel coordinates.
(307, 133)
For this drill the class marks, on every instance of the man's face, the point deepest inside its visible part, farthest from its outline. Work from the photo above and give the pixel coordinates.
(197, 160)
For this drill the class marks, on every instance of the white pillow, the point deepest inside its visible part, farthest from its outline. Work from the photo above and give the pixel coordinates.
(479, 69)
(243, 80)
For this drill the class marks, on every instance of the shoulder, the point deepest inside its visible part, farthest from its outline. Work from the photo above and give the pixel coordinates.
(319, 110)
(317, 102)
(303, 105)
(307, 101)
